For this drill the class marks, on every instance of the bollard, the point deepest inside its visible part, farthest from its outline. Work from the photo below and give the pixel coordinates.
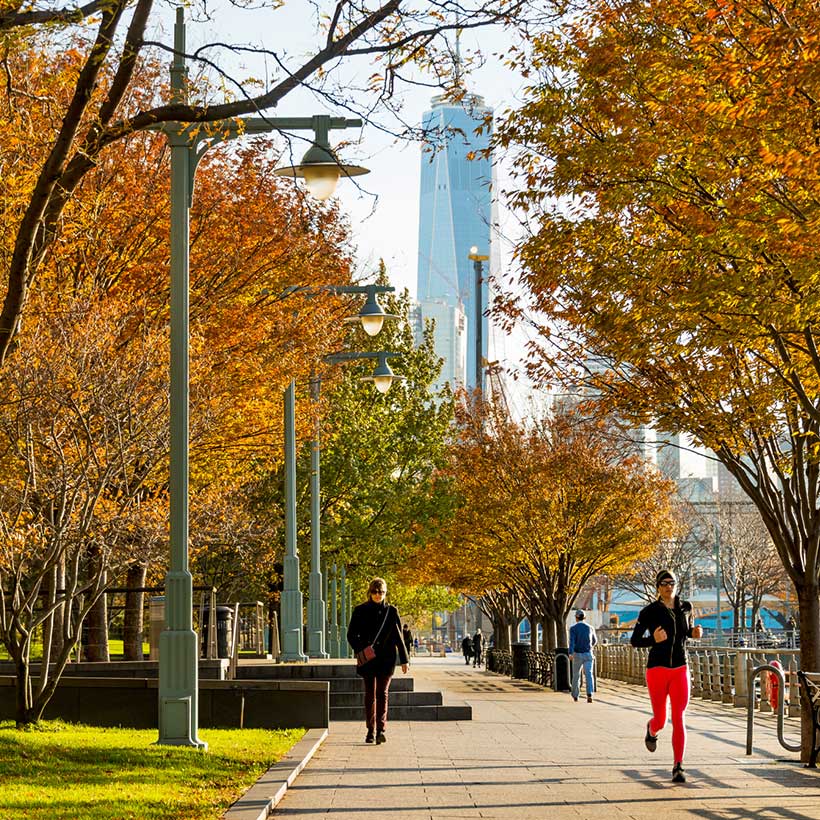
(741, 680)
(727, 696)
(694, 664)
(794, 689)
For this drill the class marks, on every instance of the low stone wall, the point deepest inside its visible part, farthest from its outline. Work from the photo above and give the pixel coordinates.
(216, 669)
(133, 703)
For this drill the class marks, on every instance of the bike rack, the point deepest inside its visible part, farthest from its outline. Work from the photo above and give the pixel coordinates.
(750, 709)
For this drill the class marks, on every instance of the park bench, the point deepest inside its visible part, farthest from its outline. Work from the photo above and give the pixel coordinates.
(810, 685)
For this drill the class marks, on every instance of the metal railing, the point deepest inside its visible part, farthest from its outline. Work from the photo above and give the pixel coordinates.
(499, 661)
(719, 674)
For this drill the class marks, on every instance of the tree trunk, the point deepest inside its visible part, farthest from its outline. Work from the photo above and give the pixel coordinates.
(533, 631)
(544, 631)
(561, 637)
(132, 625)
(58, 630)
(809, 603)
(96, 645)
(549, 634)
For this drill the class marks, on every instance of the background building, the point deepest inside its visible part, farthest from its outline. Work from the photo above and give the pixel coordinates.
(455, 212)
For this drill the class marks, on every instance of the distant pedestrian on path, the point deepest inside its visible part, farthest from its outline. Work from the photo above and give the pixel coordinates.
(467, 648)
(407, 637)
(664, 626)
(791, 627)
(478, 646)
(582, 638)
(376, 625)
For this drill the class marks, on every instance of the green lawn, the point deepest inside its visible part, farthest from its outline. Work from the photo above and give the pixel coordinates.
(115, 650)
(69, 772)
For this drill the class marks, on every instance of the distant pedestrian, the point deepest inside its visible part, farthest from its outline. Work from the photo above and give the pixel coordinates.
(407, 637)
(664, 626)
(375, 631)
(478, 646)
(582, 638)
(759, 624)
(791, 628)
(467, 648)
(415, 646)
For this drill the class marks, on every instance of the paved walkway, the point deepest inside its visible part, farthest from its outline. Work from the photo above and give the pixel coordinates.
(531, 753)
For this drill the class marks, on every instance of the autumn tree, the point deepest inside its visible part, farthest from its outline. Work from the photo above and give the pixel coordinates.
(685, 553)
(547, 507)
(668, 168)
(81, 440)
(104, 104)
(750, 567)
(247, 340)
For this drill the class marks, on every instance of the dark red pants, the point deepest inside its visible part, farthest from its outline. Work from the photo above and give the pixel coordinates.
(375, 701)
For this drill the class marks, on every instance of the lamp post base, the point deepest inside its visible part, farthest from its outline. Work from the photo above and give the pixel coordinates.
(316, 625)
(178, 689)
(291, 608)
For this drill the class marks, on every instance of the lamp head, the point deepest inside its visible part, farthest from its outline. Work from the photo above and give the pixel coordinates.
(382, 376)
(321, 170)
(372, 314)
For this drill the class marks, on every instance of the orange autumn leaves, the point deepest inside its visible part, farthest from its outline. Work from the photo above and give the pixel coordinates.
(543, 508)
(106, 280)
(670, 157)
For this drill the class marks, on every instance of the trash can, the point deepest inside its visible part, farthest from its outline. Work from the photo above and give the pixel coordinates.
(561, 673)
(156, 623)
(224, 625)
(520, 667)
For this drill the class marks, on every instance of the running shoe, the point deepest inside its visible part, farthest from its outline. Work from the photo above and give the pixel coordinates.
(650, 740)
(370, 736)
(677, 774)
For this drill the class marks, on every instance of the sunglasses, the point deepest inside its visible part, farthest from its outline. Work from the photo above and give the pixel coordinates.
(666, 584)
(378, 591)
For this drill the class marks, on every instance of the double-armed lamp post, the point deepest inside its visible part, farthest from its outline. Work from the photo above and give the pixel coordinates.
(179, 652)
(371, 317)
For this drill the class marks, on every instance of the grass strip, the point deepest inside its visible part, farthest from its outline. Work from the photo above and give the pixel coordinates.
(61, 771)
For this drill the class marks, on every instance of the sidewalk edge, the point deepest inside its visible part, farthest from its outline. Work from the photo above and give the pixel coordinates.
(262, 797)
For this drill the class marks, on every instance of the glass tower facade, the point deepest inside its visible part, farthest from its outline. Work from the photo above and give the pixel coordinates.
(455, 213)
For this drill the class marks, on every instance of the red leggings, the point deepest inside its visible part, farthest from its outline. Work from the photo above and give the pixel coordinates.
(664, 683)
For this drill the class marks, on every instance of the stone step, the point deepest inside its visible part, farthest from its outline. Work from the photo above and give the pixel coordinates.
(400, 683)
(450, 712)
(356, 699)
(294, 671)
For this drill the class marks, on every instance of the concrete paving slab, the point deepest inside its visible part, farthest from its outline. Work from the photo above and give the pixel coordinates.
(533, 753)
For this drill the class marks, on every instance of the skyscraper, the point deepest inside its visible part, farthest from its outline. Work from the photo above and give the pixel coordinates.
(455, 211)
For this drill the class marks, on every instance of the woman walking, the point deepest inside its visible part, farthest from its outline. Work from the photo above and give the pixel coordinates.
(664, 626)
(376, 636)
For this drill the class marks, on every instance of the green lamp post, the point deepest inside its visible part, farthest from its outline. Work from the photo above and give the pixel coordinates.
(179, 653)
(372, 317)
(382, 378)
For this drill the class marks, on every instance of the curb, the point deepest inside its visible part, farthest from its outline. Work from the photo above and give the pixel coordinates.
(261, 799)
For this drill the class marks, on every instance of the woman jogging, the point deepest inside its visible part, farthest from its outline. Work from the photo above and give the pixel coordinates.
(664, 626)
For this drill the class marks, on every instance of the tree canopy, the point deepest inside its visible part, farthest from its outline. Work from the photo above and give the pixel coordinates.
(668, 161)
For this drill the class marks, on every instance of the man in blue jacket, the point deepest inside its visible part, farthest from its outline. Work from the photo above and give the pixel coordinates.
(581, 640)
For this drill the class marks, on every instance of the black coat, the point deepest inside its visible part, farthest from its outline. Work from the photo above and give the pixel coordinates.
(364, 624)
(678, 625)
